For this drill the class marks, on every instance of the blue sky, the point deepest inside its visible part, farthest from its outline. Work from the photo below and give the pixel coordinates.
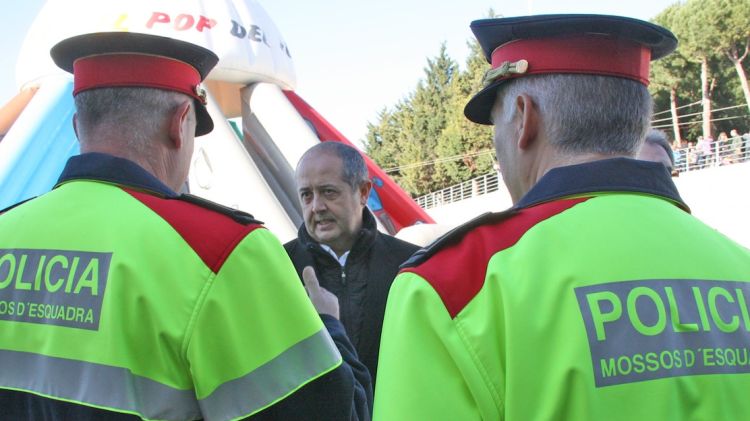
(352, 57)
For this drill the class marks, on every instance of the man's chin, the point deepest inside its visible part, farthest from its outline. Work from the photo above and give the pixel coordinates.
(325, 235)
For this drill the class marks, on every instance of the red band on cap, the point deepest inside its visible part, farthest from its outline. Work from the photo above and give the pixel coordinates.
(585, 54)
(147, 71)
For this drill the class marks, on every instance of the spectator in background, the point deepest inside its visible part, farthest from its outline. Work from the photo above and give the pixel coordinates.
(692, 155)
(722, 142)
(737, 144)
(722, 149)
(703, 151)
(656, 148)
(679, 150)
(340, 240)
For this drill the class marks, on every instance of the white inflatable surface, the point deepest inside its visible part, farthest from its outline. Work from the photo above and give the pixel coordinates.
(292, 135)
(223, 171)
(249, 46)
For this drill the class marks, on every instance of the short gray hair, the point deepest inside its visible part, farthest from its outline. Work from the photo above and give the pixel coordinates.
(354, 170)
(585, 113)
(659, 138)
(140, 111)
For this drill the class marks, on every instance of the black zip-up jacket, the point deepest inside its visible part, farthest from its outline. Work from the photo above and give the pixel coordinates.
(362, 285)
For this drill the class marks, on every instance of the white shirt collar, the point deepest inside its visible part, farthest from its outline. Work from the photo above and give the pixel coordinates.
(341, 260)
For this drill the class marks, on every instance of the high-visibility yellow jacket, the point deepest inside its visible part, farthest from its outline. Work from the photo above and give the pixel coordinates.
(597, 297)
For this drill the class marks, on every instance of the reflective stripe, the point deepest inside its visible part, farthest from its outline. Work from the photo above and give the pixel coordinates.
(95, 385)
(274, 380)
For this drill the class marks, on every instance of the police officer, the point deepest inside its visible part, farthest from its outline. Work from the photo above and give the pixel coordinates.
(126, 300)
(656, 148)
(597, 296)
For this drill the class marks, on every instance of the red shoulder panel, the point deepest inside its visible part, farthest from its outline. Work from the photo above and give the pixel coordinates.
(457, 272)
(212, 235)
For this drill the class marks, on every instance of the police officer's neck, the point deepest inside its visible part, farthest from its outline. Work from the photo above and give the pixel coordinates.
(548, 161)
(583, 158)
(151, 158)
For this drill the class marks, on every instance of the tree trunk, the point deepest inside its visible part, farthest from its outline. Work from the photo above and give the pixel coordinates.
(743, 80)
(706, 98)
(675, 116)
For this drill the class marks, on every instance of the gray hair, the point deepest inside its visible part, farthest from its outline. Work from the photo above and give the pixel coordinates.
(658, 138)
(139, 111)
(585, 113)
(354, 170)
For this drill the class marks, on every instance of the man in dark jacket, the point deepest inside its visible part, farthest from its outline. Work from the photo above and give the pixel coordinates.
(340, 240)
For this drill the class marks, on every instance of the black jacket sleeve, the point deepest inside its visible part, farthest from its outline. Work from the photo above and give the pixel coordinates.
(342, 394)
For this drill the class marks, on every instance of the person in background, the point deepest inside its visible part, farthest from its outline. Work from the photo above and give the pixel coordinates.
(736, 143)
(656, 148)
(679, 153)
(597, 288)
(131, 301)
(339, 239)
(704, 151)
(721, 146)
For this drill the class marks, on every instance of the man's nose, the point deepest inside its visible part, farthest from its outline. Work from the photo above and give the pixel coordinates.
(318, 203)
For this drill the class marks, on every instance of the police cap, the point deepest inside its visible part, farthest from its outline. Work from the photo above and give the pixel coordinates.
(126, 59)
(573, 44)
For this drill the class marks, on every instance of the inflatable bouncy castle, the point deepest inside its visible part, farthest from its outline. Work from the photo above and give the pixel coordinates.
(262, 125)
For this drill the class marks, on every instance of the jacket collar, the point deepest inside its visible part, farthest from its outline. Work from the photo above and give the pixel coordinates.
(111, 169)
(608, 175)
(363, 242)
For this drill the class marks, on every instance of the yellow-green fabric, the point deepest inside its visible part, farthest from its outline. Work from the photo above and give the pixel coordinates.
(161, 335)
(591, 314)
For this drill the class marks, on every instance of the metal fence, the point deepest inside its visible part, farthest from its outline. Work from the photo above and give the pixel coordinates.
(691, 158)
(487, 183)
(713, 154)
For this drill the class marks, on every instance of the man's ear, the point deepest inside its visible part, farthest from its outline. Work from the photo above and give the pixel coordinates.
(75, 125)
(528, 116)
(364, 192)
(177, 122)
